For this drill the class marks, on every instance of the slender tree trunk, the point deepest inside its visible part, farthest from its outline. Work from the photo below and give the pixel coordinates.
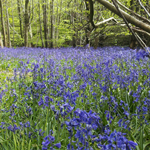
(45, 22)
(73, 19)
(12, 20)
(8, 29)
(38, 31)
(30, 35)
(20, 20)
(26, 23)
(74, 35)
(57, 22)
(41, 36)
(3, 25)
(1, 42)
(87, 29)
(52, 23)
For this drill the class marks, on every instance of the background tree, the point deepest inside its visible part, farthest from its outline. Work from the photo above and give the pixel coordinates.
(26, 22)
(2, 23)
(49, 23)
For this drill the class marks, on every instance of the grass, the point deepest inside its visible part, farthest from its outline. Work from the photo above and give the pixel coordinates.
(74, 99)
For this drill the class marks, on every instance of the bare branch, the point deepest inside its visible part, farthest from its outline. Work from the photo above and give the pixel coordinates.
(107, 20)
(137, 38)
(128, 17)
(144, 8)
(139, 30)
(137, 15)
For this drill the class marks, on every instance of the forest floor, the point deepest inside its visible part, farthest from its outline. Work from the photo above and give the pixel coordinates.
(74, 98)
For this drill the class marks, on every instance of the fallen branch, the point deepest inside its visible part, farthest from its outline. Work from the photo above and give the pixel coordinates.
(128, 17)
(140, 30)
(126, 22)
(135, 14)
(144, 8)
(107, 20)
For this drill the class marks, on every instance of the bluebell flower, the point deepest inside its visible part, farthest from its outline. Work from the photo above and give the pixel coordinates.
(45, 143)
(132, 144)
(145, 110)
(58, 145)
(41, 102)
(13, 128)
(49, 142)
(27, 124)
(2, 125)
(70, 147)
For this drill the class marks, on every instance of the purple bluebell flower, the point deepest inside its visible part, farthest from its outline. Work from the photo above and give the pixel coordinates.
(41, 102)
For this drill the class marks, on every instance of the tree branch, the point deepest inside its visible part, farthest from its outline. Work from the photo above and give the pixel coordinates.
(107, 20)
(137, 15)
(139, 30)
(135, 35)
(144, 8)
(128, 17)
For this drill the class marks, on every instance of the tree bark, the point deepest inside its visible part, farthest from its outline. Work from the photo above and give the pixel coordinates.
(45, 23)
(30, 35)
(3, 25)
(73, 19)
(57, 22)
(41, 36)
(1, 42)
(133, 13)
(13, 21)
(87, 29)
(20, 20)
(52, 23)
(26, 23)
(8, 29)
(128, 17)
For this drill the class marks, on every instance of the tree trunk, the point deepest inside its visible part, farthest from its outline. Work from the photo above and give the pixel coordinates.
(73, 17)
(26, 23)
(45, 22)
(128, 17)
(3, 25)
(30, 35)
(87, 29)
(1, 42)
(40, 26)
(13, 21)
(8, 29)
(52, 23)
(57, 22)
(20, 20)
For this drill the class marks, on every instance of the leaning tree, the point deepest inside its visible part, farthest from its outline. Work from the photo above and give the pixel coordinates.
(141, 24)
